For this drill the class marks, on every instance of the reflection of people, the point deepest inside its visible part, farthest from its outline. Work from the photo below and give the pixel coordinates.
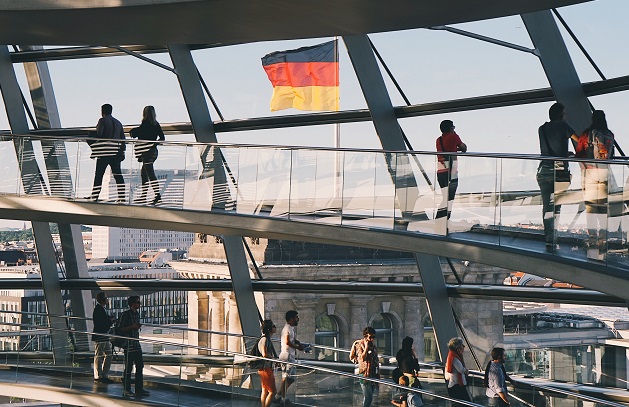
(553, 142)
(129, 325)
(455, 371)
(102, 346)
(596, 142)
(496, 381)
(289, 347)
(407, 361)
(447, 166)
(365, 353)
(399, 395)
(146, 153)
(108, 153)
(265, 346)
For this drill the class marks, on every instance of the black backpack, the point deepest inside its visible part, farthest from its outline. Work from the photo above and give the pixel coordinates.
(255, 351)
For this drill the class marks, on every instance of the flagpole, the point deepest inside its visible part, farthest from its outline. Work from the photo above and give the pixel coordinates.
(337, 133)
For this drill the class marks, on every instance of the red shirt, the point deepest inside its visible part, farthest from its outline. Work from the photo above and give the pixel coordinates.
(451, 143)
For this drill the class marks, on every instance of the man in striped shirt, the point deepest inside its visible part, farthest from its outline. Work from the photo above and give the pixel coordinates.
(108, 153)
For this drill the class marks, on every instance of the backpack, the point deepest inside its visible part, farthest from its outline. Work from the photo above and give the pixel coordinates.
(414, 400)
(600, 144)
(122, 343)
(255, 351)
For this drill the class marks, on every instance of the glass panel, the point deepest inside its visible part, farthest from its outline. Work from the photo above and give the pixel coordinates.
(315, 188)
(521, 223)
(475, 210)
(10, 182)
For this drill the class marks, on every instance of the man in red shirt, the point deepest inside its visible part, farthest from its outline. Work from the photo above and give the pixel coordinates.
(447, 168)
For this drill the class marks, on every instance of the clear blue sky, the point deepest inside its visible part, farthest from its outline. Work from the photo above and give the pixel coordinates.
(429, 65)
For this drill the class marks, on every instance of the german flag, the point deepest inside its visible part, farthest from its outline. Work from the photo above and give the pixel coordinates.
(306, 78)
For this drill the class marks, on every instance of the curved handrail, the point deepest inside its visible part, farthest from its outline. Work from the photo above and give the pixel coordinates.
(206, 331)
(301, 364)
(615, 160)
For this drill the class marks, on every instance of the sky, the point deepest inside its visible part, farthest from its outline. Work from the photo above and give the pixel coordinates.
(430, 66)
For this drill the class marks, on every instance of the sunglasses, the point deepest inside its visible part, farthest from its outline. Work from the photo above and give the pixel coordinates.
(371, 337)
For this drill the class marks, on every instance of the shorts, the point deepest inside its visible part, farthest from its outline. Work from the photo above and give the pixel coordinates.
(268, 379)
(289, 370)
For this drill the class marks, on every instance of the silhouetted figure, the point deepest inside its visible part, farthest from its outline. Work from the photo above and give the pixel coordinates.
(129, 325)
(553, 177)
(447, 166)
(146, 153)
(102, 346)
(108, 152)
(597, 143)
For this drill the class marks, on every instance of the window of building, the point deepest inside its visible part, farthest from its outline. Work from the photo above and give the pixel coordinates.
(430, 343)
(326, 334)
(383, 325)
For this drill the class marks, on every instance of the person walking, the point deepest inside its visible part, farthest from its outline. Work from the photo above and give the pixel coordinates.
(129, 325)
(365, 353)
(108, 152)
(553, 177)
(496, 381)
(146, 153)
(266, 349)
(407, 362)
(447, 166)
(102, 345)
(289, 347)
(597, 143)
(455, 371)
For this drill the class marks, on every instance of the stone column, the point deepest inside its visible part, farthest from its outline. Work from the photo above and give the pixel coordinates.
(234, 343)
(203, 317)
(217, 324)
(359, 317)
(217, 321)
(413, 326)
(193, 319)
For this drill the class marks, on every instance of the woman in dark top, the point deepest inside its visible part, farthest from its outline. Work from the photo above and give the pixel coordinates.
(146, 153)
(407, 361)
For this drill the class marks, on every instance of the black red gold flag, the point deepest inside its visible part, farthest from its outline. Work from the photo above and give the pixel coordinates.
(306, 78)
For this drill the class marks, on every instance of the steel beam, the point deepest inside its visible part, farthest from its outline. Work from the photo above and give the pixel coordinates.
(524, 97)
(242, 286)
(609, 279)
(194, 98)
(464, 291)
(60, 181)
(31, 178)
(438, 301)
(390, 135)
(558, 66)
(52, 292)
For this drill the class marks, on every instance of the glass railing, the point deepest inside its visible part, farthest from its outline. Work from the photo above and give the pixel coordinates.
(178, 373)
(498, 200)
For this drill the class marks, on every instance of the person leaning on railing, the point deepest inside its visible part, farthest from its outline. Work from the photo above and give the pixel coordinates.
(596, 142)
(553, 177)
